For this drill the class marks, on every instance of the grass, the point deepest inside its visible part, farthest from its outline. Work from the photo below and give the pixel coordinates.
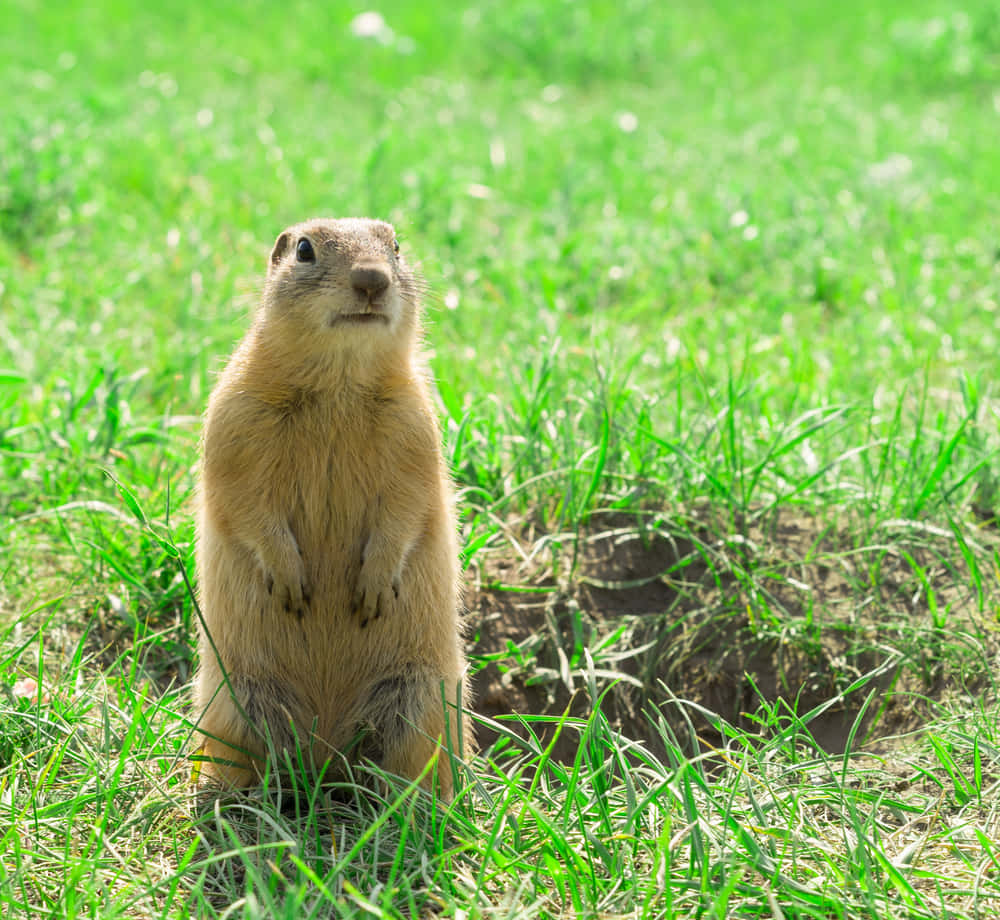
(713, 319)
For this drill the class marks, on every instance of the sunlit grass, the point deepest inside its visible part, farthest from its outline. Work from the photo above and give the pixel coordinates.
(722, 286)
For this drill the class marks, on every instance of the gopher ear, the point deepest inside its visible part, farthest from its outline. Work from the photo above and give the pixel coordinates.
(281, 245)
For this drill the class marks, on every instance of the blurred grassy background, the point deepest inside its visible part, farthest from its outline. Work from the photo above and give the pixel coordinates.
(818, 190)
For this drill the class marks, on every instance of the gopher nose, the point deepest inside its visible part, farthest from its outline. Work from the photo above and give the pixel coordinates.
(370, 279)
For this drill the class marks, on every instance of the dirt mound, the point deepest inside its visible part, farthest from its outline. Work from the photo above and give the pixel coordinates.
(787, 612)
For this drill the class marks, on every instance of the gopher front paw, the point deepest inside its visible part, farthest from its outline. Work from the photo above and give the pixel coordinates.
(374, 594)
(291, 595)
(284, 572)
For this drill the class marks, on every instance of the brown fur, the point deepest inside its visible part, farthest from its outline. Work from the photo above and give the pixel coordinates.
(327, 556)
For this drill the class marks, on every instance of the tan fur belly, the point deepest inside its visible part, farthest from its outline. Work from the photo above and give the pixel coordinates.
(324, 658)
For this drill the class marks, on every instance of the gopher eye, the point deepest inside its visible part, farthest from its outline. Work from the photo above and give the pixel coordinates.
(395, 246)
(304, 251)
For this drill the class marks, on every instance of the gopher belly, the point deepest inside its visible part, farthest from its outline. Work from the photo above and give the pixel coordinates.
(320, 676)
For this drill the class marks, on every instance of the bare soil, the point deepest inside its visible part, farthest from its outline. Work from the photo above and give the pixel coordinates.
(699, 617)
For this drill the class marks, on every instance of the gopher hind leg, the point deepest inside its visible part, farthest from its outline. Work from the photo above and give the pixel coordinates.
(240, 721)
(407, 724)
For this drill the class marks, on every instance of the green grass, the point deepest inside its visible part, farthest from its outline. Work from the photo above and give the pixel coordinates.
(713, 317)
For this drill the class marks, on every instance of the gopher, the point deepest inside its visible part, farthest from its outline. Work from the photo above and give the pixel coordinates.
(326, 537)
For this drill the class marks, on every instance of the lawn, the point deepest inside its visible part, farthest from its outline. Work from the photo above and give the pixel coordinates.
(712, 312)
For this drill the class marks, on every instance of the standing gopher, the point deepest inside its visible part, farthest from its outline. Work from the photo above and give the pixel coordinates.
(327, 555)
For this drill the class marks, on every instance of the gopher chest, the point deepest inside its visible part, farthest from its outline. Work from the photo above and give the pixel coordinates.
(334, 487)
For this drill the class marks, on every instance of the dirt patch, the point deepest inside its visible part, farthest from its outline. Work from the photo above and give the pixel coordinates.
(685, 618)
